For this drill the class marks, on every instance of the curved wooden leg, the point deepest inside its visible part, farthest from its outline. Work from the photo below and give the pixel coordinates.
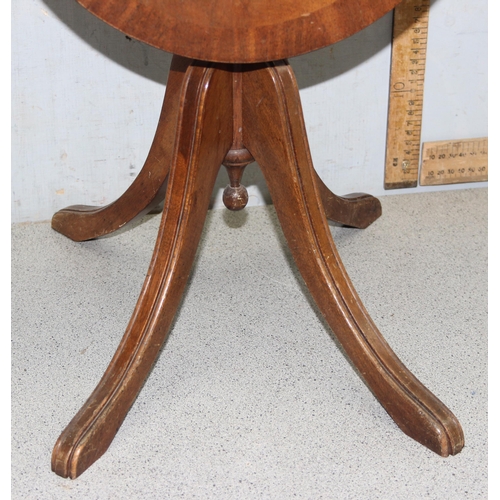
(81, 222)
(354, 210)
(274, 133)
(203, 137)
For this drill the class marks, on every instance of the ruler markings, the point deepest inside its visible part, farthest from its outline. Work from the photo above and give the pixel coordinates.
(409, 50)
(452, 162)
(443, 162)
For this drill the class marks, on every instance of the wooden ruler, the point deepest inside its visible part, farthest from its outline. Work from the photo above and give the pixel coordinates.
(451, 162)
(406, 97)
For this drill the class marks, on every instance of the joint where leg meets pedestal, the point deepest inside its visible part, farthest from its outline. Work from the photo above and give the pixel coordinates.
(217, 115)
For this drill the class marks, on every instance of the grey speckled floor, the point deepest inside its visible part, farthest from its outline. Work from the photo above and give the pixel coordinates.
(250, 397)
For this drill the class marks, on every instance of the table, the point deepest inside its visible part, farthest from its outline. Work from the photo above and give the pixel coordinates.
(232, 98)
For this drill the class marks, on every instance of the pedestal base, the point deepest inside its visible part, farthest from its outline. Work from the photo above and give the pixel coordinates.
(208, 109)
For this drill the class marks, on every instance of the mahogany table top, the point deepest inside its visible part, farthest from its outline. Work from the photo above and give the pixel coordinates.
(239, 31)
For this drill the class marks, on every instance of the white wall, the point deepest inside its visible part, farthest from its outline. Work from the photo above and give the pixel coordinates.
(86, 100)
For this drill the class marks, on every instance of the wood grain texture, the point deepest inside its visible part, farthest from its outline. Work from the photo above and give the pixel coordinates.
(243, 31)
(83, 222)
(203, 135)
(215, 113)
(452, 162)
(274, 133)
(357, 210)
(86, 222)
(406, 93)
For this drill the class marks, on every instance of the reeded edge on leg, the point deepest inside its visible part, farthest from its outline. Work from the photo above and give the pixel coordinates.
(274, 133)
(203, 137)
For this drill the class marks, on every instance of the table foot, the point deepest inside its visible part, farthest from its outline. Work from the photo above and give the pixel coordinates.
(275, 135)
(201, 132)
(354, 210)
(82, 222)
(203, 135)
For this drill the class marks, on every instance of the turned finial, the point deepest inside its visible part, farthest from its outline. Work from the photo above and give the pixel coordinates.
(235, 195)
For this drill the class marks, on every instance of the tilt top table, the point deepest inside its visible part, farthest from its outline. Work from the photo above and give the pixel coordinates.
(231, 98)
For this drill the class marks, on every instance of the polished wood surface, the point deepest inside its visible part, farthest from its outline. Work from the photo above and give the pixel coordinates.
(218, 109)
(86, 222)
(277, 140)
(83, 222)
(203, 135)
(242, 31)
(272, 132)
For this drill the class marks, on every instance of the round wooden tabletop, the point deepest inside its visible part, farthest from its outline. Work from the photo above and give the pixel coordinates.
(239, 31)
